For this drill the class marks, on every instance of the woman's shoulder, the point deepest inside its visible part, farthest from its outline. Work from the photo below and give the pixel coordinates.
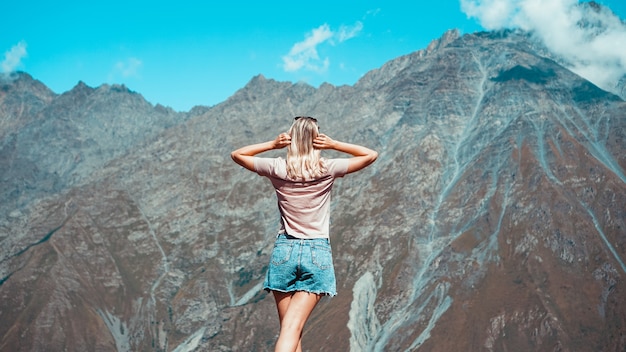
(337, 167)
(275, 160)
(269, 166)
(328, 161)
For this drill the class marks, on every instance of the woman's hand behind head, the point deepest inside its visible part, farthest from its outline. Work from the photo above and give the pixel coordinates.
(283, 140)
(322, 141)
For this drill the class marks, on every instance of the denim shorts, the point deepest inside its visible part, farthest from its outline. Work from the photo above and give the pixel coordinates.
(301, 265)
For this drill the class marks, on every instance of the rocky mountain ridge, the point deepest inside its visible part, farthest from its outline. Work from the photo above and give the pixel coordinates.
(52, 141)
(495, 213)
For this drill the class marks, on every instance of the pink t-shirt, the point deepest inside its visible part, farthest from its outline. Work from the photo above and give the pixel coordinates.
(304, 205)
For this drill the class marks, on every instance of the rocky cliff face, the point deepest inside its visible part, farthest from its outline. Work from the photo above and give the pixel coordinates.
(51, 142)
(495, 213)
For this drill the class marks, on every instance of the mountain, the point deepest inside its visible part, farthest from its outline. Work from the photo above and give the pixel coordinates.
(493, 220)
(51, 142)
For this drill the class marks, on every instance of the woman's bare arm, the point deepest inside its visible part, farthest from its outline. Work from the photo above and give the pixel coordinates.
(361, 156)
(244, 156)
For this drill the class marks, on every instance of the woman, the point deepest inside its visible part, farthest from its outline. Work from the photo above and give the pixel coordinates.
(301, 269)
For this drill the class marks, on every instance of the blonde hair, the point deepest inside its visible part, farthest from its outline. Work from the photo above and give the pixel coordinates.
(303, 160)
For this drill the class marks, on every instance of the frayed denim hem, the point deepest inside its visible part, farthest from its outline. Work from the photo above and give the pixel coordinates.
(323, 293)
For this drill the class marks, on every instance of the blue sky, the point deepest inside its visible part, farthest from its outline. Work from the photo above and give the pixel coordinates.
(187, 53)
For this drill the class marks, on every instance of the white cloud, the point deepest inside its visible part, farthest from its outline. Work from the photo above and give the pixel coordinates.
(348, 32)
(492, 14)
(304, 55)
(596, 52)
(373, 12)
(13, 57)
(128, 68)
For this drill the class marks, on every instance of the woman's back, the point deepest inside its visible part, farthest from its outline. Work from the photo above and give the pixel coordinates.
(304, 205)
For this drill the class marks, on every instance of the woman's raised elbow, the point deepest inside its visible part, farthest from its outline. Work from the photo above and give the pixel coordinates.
(374, 155)
(237, 157)
(371, 157)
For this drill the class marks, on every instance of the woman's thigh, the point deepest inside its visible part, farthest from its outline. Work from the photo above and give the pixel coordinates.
(294, 308)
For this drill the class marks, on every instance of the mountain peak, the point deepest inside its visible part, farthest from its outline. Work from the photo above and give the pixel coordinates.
(22, 81)
(447, 38)
(21, 99)
(81, 88)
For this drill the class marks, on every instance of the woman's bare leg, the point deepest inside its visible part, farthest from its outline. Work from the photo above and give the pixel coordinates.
(294, 308)
(282, 303)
